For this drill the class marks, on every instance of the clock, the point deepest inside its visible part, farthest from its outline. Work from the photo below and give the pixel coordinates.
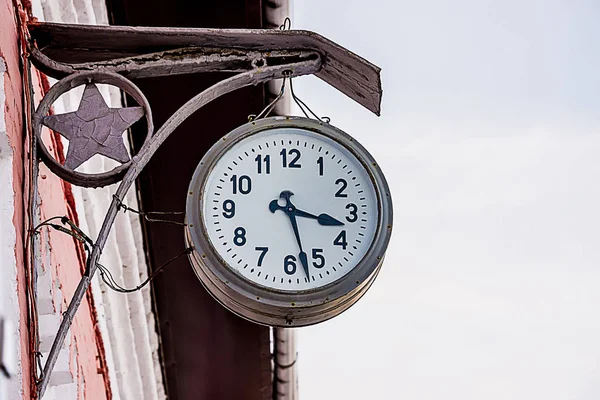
(289, 219)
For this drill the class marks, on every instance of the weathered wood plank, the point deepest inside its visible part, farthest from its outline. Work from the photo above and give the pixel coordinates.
(75, 44)
(174, 62)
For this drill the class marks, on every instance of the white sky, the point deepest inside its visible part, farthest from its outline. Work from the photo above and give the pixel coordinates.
(490, 139)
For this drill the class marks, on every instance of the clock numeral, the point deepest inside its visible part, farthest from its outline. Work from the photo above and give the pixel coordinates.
(294, 162)
(289, 265)
(263, 253)
(259, 162)
(239, 236)
(344, 185)
(228, 209)
(340, 240)
(320, 164)
(353, 217)
(243, 184)
(319, 257)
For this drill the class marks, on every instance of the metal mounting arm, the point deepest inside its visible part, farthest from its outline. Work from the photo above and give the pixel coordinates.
(108, 54)
(139, 161)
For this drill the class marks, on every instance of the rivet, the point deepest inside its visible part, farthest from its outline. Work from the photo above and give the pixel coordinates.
(358, 282)
(191, 225)
(203, 255)
(293, 304)
(257, 298)
(191, 193)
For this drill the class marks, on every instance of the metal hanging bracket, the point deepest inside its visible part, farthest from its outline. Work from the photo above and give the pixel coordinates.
(88, 54)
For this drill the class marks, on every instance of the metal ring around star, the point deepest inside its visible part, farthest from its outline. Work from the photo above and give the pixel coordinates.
(67, 84)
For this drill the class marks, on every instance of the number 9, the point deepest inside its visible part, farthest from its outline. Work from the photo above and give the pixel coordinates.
(228, 209)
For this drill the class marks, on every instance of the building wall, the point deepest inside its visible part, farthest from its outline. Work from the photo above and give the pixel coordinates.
(13, 305)
(111, 351)
(60, 261)
(126, 322)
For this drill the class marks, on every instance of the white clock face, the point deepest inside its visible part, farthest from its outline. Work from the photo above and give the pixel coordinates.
(290, 209)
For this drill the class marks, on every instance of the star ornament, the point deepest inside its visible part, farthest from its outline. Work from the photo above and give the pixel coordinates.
(94, 128)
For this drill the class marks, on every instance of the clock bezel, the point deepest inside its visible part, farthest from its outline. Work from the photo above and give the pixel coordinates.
(270, 306)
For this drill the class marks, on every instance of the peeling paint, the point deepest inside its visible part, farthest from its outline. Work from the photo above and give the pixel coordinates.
(63, 261)
(11, 192)
(9, 301)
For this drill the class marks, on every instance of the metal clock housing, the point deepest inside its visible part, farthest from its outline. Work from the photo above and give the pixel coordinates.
(275, 305)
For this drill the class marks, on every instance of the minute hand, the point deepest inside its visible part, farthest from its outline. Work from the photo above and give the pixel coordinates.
(302, 255)
(322, 219)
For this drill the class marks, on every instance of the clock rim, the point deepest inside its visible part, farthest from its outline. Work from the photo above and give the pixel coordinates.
(271, 306)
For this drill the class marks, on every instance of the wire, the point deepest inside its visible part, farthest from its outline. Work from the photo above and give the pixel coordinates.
(46, 222)
(267, 110)
(107, 277)
(105, 273)
(147, 215)
(287, 24)
(301, 104)
(74, 232)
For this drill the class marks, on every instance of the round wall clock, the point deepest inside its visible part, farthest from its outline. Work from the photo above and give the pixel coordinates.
(289, 219)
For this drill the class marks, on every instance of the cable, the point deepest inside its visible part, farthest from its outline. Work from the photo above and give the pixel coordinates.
(111, 283)
(301, 104)
(105, 273)
(146, 215)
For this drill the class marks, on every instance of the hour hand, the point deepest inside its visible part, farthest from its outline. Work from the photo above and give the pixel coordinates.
(322, 219)
(274, 206)
(287, 208)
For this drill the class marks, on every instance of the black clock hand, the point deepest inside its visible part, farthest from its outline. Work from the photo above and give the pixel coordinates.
(322, 219)
(289, 210)
(302, 255)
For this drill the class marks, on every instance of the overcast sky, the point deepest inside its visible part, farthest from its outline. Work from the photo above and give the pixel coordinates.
(490, 140)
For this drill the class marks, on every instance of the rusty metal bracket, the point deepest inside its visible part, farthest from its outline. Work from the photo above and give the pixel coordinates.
(254, 61)
(84, 54)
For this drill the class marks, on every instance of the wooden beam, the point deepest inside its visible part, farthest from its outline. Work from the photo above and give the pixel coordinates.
(69, 45)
